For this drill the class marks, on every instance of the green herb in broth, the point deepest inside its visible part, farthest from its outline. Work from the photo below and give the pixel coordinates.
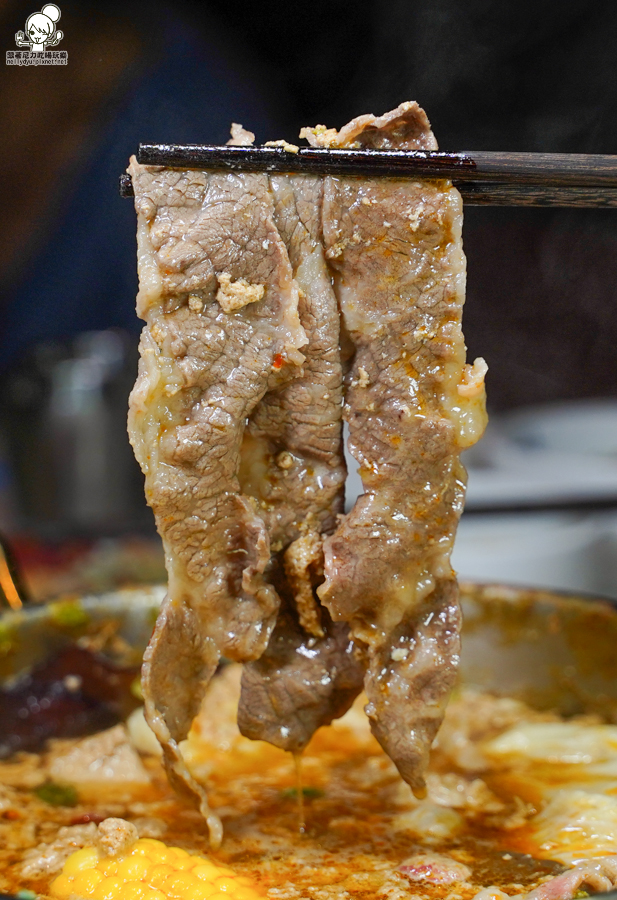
(311, 793)
(57, 794)
(68, 614)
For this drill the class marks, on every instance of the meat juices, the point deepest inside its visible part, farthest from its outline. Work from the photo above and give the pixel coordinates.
(236, 422)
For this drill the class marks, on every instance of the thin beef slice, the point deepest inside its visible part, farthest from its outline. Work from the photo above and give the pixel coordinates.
(412, 405)
(309, 673)
(226, 264)
(222, 328)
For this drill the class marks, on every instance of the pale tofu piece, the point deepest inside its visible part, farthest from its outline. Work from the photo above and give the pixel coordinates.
(102, 764)
(141, 735)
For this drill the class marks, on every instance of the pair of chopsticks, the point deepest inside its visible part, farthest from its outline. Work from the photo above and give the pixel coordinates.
(484, 178)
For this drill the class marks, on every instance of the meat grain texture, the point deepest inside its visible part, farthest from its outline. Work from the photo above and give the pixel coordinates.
(276, 306)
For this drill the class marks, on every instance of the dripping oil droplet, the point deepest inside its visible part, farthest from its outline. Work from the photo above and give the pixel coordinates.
(300, 793)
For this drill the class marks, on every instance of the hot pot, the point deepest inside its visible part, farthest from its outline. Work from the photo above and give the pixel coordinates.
(552, 650)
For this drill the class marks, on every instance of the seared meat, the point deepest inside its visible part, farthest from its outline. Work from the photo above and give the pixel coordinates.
(434, 868)
(292, 458)
(403, 128)
(299, 684)
(410, 677)
(598, 875)
(396, 251)
(254, 289)
(293, 461)
(202, 372)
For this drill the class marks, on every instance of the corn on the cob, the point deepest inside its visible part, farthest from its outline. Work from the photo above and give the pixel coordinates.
(149, 871)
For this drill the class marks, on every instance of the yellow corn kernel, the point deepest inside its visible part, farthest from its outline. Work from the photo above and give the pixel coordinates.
(159, 875)
(206, 871)
(153, 894)
(86, 858)
(134, 868)
(108, 867)
(185, 863)
(108, 889)
(133, 890)
(160, 855)
(225, 883)
(62, 886)
(85, 881)
(180, 885)
(204, 891)
(243, 892)
(147, 845)
(149, 871)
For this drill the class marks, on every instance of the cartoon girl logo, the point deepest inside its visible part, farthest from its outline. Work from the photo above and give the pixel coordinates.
(41, 30)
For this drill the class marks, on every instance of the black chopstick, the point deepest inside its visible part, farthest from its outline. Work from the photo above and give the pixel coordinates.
(495, 194)
(581, 169)
(483, 177)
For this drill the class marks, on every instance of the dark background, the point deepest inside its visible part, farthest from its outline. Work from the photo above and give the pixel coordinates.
(542, 284)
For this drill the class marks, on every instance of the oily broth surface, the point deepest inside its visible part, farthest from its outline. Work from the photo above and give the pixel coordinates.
(361, 820)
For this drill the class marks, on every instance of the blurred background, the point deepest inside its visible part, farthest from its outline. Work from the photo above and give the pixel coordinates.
(542, 284)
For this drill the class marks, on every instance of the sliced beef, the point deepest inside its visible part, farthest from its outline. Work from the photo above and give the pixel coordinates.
(221, 307)
(395, 248)
(403, 128)
(292, 457)
(254, 289)
(434, 868)
(299, 684)
(410, 677)
(293, 454)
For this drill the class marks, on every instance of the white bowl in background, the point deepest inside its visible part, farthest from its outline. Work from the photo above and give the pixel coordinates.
(578, 427)
(539, 478)
(560, 453)
(549, 550)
